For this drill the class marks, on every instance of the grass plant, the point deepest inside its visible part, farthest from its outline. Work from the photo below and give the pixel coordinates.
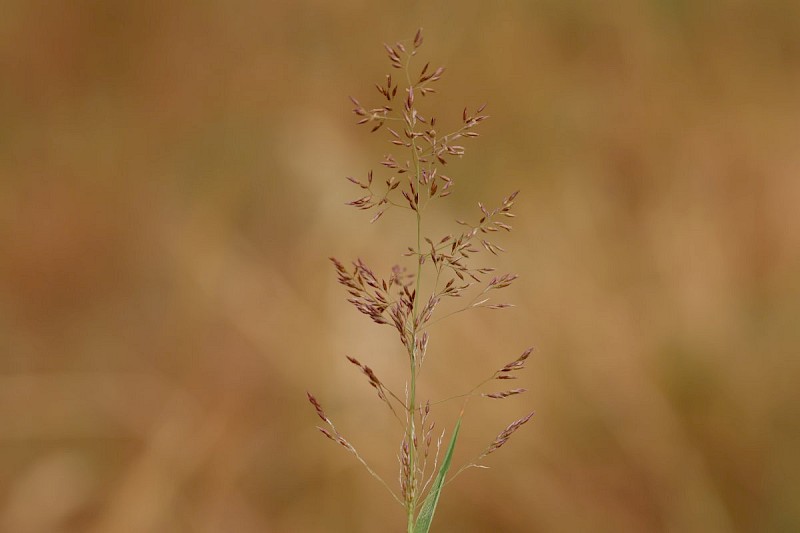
(415, 182)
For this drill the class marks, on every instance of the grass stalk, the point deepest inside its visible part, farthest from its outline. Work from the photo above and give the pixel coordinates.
(396, 300)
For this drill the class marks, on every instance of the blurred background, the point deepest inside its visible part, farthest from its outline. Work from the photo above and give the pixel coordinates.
(172, 183)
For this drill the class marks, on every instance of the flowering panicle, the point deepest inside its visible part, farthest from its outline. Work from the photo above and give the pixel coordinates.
(411, 177)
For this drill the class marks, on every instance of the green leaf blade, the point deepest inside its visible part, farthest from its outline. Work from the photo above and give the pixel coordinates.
(425, 517)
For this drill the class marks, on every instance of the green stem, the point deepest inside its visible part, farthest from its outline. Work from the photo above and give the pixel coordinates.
(412, 401)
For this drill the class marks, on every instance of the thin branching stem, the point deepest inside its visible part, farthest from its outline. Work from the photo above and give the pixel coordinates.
(411, 434)
(415, 181)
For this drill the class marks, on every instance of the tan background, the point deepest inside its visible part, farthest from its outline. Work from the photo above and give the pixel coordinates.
(171, 184)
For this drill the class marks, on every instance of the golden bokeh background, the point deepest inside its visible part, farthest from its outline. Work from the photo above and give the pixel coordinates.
(171, 185)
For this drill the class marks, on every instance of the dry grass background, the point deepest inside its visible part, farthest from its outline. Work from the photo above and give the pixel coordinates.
(171, 184)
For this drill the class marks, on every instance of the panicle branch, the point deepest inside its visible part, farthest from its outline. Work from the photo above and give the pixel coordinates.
(376, 383)
(504, 435)
(334, 435)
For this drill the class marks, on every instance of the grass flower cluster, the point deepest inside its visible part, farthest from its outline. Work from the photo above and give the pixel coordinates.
(415, 182)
